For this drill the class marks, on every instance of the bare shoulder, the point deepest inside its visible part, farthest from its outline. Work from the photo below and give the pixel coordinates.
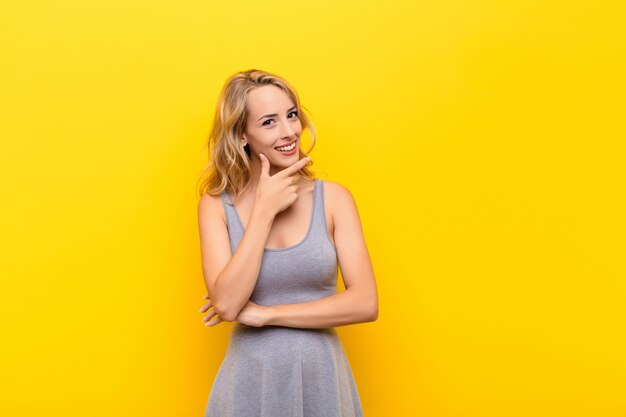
(338, 198)
(210, 208)
(335, 191)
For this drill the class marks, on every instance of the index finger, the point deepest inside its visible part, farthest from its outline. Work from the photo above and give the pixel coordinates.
(295, 167)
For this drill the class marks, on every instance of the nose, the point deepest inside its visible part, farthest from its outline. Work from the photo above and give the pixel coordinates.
(287, 130)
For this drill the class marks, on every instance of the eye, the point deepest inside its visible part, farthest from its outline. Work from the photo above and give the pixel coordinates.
(265, 122)
(294, 112)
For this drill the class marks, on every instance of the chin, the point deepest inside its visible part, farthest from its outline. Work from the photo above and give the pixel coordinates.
(284, 161)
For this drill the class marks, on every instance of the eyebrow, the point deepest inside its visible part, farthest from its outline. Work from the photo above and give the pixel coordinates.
(275, 114)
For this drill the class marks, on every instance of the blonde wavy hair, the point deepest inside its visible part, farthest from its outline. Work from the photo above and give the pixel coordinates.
(229, 162)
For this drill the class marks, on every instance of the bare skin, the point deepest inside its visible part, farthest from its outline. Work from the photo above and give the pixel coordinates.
(274, 214)
(273, 195)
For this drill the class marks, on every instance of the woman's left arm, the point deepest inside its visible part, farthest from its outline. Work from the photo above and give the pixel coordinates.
(359, 302)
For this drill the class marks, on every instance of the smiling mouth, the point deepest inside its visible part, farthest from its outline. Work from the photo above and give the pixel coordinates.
(286, 148)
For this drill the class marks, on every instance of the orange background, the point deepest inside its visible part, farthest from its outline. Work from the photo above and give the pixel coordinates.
(483, 142)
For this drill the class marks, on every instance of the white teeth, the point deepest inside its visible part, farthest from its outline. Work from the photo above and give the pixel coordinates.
(287, 148)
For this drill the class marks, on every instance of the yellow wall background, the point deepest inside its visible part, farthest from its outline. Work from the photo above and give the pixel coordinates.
(482, 140)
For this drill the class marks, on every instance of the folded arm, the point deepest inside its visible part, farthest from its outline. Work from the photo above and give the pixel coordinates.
(230, 278)
(359, 302)
(347, 307)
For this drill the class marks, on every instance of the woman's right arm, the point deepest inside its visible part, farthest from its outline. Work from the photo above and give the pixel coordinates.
(230, 278)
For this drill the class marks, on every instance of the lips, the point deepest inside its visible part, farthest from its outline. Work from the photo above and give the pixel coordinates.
(283, 146)
(291, 152)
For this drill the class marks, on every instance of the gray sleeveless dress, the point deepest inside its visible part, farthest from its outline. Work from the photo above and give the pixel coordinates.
(276, 371)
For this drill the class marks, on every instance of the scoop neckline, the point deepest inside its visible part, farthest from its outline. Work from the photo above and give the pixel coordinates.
(308, 233)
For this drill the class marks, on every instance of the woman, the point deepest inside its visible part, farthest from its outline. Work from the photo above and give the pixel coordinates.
(272, 237)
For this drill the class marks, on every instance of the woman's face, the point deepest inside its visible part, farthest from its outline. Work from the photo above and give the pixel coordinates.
(272, 122)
